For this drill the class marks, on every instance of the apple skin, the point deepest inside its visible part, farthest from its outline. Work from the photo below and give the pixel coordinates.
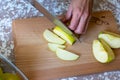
(53, 47)
(67, 37)
(112, 39)
(52, 38)
(102, 51)
(66, 55)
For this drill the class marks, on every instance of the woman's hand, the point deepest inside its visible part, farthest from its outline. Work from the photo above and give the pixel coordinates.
(78, 14)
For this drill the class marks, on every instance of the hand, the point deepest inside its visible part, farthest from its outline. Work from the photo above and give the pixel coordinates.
(78, 14)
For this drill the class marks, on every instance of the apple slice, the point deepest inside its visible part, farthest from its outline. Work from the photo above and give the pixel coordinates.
(102, 52)
(53, 47)
(67, 37)
(111, 55)
(112, 39)
(66, 55)
(53, 38)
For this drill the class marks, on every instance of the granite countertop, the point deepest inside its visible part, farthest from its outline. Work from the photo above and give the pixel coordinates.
(19, 9)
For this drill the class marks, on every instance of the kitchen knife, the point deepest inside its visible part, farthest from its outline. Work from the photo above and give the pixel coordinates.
(53, 19)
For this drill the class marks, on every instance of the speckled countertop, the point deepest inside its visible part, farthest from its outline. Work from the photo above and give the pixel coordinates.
(16, 9)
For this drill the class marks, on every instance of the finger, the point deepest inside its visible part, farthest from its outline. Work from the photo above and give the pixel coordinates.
(89, 17)
(86, 25)
(69, 12)
(82, 24)
(83, 21)
(75, 19)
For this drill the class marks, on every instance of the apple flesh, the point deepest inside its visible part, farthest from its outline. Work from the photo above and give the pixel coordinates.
(53, 38)
(53, 47)
(111, 55)
(112, 39)
(56, 44)
(67, 37)
(66, 55)
(102, 52)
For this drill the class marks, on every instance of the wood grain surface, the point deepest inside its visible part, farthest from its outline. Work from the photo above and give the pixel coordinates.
(34, 58)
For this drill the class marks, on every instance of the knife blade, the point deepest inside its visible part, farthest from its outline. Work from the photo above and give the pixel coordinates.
(53, 19)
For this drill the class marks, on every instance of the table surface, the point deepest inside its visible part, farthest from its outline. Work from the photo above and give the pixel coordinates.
(19, 9)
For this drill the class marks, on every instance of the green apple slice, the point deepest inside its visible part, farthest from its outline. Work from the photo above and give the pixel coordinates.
(66, 55)
(112, 39)
(102, 52)
(67, 37)
(53, 47)
(53, 38)
(111, 55)
(99, 52)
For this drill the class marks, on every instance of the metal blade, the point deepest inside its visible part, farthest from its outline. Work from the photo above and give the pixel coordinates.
(53, 18)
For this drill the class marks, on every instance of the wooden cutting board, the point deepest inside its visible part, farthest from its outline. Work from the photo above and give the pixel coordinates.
(34, 58)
